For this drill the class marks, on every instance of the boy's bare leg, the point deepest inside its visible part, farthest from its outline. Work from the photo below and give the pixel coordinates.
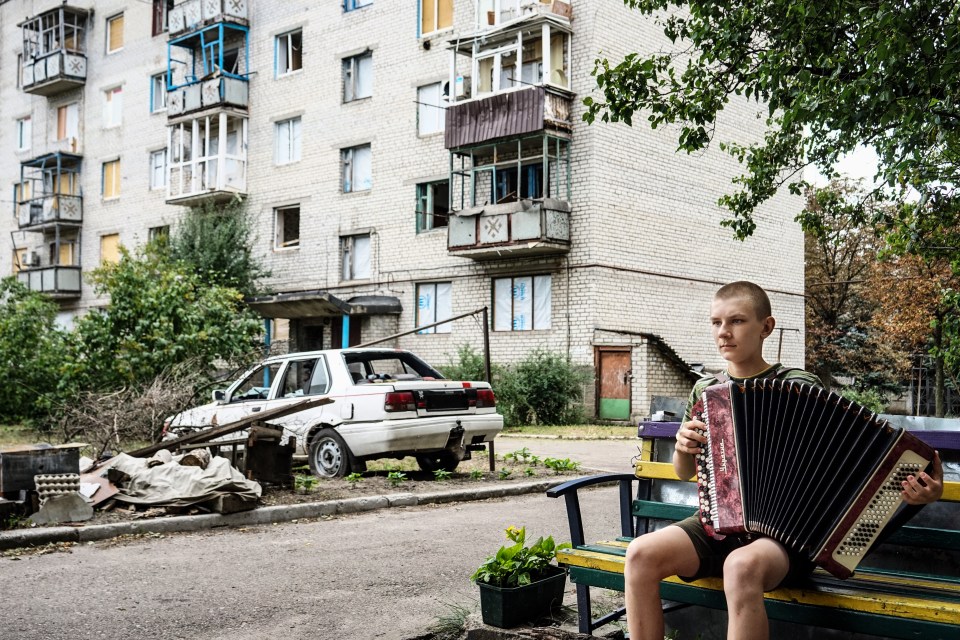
(747, 573)
(651, 558)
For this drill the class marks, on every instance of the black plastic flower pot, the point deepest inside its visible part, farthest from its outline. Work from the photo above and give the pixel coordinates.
(508, 607)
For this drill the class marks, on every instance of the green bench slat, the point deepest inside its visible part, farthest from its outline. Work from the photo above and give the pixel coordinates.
(662, 510)
(844, 620)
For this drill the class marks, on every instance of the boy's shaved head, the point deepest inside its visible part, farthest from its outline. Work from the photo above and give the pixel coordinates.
(743, 289)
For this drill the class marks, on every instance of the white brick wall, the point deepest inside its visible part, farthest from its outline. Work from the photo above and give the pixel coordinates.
(647, 250)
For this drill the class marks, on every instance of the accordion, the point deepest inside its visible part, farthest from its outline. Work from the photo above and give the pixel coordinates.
(804, 466)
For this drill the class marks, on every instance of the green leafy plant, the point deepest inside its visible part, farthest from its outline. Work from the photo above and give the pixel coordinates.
(305, 482)
(503, 474)
(354, 477)
(468, 365)
(442, 474)
(559, 465)
(529, 471)
(518, 564)
(476, 474)
(869, 398)
(520, 455)
(396, 478)
(544, 388)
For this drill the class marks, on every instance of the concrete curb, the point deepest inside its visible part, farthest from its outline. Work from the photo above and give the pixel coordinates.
(263, 515)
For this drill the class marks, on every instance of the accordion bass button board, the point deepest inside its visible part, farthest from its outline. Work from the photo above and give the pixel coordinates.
(816, 472)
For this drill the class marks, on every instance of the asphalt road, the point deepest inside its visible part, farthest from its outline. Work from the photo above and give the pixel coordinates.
(383, 574)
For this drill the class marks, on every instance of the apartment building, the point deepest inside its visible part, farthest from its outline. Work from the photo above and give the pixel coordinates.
(402, 161)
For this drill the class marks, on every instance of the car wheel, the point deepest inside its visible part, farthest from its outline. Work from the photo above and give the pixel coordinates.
(329, 455)
(442, 460)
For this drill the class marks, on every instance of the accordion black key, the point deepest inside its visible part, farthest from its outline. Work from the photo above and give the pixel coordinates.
(814, 471)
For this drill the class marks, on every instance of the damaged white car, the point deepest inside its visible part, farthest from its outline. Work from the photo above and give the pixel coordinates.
(387, 403)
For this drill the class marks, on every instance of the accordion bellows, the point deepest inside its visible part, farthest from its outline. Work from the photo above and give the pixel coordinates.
(814, 471)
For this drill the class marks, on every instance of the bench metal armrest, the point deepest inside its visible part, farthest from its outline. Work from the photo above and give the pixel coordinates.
(574, 518)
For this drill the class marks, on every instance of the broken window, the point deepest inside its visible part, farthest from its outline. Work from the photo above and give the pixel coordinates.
(158, 169)
(498, 71)
(356, 257)
(158, 92)
(358, 77)
(24, 133)
(161, 233)
(350, 5)
(432, 102)
(115, 33)
(256, 386)
(112, 107)
(288, 227)
(522, 303)
(68, 121)
(357, 165)
(161, 13)
(111, 179)
(288, 141)
(435, 15)
(306, 377)
(289, 52)
(434, 303)
(433, 205)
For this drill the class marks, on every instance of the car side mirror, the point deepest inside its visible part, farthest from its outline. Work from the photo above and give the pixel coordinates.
(219, 395)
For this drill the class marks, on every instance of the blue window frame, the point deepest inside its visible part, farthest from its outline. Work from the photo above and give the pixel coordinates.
(350, 5)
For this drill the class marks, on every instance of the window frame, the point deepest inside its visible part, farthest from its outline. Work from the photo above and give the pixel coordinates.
(348, 159)
(155, 233)
(440, 107)
(352, 78)
(426, 213)
(348, 255)
(110, 21)
(24, 133)
(446, 327)
(103, 179)
(118, 245)
(113, 107)
(535, 323)
(161, 91)
(65, 108)
(163, 168)
(437, 28)
(280, 224)
(354, 5)
(288, 35)
(293, 143)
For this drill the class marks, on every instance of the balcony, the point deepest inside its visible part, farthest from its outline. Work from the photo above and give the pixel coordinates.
(508, 114)
(207, 69)
(54, 51)
(48, 193)
(191, 15)
(56, 281)
(208, 159)
(512, 230)
(493, 14)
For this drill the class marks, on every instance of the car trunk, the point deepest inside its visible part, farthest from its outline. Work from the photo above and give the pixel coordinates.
(432, 399)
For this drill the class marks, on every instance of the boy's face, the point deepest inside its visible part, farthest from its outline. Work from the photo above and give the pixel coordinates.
(737, 331)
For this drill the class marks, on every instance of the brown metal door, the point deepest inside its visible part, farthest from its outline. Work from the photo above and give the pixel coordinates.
(614, 377)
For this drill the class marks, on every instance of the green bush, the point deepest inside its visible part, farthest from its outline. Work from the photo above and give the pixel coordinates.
(468, 365)
(872, 399)
(544, 388)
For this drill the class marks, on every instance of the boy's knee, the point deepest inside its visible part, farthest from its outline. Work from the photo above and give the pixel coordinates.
(646, 557)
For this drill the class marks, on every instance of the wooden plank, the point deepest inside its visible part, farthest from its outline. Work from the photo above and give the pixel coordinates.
(224, 430)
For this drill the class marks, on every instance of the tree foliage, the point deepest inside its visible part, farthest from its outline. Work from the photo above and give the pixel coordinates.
(160, 313)
(830, 74)
(31, 347)
(841, 338)
(215, 239)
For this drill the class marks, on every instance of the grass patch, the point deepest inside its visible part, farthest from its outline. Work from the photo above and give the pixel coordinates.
(577, 431)
(11, 434)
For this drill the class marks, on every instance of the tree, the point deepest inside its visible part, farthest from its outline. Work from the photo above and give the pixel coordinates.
(215, 239)
(31, 347)
(841, 338)
(831, 75)
(161, 313)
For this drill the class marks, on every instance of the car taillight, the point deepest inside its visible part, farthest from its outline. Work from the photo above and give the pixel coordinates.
(485, 398)
(399, 401)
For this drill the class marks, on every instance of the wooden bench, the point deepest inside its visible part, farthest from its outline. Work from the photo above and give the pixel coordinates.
(884, 602)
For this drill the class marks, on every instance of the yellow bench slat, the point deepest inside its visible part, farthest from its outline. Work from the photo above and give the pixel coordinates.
(838, 597)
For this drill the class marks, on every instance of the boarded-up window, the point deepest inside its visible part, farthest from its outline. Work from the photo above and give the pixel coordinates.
(110, 248)
(111, 179)
(68, 121)
(115, 33)
(434, 303)
(63, 254)
(356, 257)
(435, 15)
(522, 304)
(357, 163)
(431, 107)
(19, 260)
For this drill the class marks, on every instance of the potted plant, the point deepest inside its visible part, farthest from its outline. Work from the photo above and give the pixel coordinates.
(519, 583)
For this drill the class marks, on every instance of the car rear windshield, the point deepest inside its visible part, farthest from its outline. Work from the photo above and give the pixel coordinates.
(388, 365)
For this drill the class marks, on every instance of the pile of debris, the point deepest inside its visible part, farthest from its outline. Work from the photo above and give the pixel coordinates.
(53, 484)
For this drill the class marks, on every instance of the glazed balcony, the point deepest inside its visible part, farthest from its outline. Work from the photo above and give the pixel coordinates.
(54, 57)
(56, 281)
(208, 159)
(191, 15)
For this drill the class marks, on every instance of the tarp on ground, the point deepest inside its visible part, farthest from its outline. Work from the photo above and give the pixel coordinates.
(173, 484)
